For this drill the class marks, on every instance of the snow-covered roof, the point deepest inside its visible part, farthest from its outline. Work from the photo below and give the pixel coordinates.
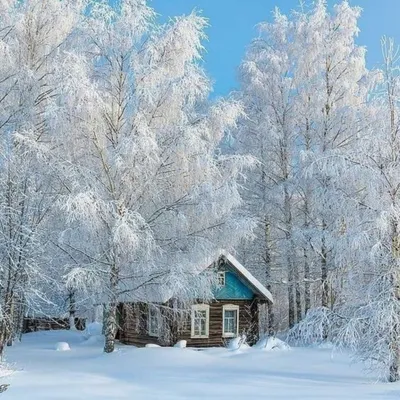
(161, 292)
(255, 283)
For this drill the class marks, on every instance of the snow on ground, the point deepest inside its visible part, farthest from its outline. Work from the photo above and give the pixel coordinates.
(175, 373)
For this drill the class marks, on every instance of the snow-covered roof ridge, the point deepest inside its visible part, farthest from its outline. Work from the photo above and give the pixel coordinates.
(247, 275)
(161, 293)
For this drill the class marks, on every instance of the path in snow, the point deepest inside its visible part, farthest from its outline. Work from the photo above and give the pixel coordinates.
(85, 372)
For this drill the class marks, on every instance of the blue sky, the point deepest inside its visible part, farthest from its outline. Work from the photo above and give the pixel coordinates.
(232, 26)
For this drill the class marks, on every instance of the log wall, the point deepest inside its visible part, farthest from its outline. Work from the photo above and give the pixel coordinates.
(133, 327)
(50, 324)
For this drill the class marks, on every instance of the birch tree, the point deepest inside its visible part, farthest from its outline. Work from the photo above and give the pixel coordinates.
(267, 79)
(150, 191)
(339, 72)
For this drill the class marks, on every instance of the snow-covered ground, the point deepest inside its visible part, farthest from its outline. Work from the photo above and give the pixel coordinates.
(84, 372)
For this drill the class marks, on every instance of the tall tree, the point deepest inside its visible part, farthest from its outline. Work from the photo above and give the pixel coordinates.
(336, 66)
(149, 188)
(267, 90)
(303, 91)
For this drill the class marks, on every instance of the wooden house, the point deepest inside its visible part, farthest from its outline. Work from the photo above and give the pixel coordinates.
(233, 311)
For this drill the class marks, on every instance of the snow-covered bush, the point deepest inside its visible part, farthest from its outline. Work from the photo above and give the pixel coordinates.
(181, 344)
(315, 328)
(271, 344)
(62, 346)
(238, 343)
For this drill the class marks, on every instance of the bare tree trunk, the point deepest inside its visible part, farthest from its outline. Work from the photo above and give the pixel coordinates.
(291, 298)
(394, 366)
(12, 330)
(21, 317)
(307, 282)
(297, 289)
(271, 319)
(267, 261)
(324, 274)
(325, 184)
(324, 280)
(289, 258)
(306, 248)
(6, 324)
(103, 329)
(394, 344)
(110, 328)
(72, 310)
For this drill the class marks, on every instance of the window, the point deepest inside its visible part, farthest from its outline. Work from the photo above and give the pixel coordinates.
(221, 278)
(153, 322)
(200, 320)
(230, 323)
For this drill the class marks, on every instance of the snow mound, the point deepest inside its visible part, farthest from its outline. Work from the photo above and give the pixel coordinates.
(181, 344)
(152, 345)
(271, 344)
(238, 343)
(62, 346)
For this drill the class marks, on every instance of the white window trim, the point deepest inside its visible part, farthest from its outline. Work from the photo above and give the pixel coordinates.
(230, 307)
(221, 274)
(153, 333)
(200, 307)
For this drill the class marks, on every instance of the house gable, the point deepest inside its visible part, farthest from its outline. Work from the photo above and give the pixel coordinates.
(234, 288)
(226, 260)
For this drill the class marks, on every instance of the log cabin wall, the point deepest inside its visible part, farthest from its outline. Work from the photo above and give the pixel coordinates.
(134, 325)
(247, 323)
(50, 324)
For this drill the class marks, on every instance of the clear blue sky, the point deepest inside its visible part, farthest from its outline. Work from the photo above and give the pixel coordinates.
(233, 26)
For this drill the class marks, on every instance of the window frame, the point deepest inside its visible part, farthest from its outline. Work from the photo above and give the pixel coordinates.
(230, 307)
(200, 307)
(153, 312)
(221, 274)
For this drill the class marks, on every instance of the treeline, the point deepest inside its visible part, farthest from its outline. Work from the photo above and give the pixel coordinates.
(325, 190)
